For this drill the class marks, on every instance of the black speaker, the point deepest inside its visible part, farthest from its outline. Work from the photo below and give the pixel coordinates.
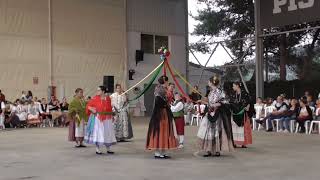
(139, 56)
(108, 82)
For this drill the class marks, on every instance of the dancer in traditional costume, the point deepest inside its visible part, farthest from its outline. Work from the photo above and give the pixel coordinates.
(160, 135)
(77, 118)
(170, 93)
(122, 123)
(177, 109)
(241, 127)
(215, 131)
(100, 130)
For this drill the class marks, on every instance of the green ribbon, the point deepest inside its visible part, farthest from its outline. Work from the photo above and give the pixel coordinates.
(105, 113)
(155, 75)
(239, 113)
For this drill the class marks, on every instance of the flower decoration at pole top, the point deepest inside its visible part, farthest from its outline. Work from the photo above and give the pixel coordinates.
(164, 53)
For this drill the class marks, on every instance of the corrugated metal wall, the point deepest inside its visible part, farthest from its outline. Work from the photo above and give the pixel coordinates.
(88, 42)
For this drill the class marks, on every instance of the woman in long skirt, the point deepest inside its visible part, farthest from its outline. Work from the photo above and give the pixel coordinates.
(100, 131)
(77, 118)
(215, 132)
(160, 135)
(122, 123)
(241, 127)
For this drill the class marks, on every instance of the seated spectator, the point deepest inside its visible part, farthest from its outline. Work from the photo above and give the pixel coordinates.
(269, 102)
(23, 96)
(22, 112)
(29, 96)
(12, 120)
(280, 110)
(33, 113)
(290, 115)
(307, 93)
(45, 113)
(259, 106)
(188, 110)
(317, 112)
(2, 97)
(310, 101)
(283, 95)
(64, 105)
(52, 99)
(64, 109)
(304, 114)
(55, 111)
(37, 103)
(2, 116)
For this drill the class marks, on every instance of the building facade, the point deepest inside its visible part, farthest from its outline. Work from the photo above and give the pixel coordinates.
(75, 43)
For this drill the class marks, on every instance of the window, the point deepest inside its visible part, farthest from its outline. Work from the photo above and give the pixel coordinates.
(147, 43)
(151, 43)
(161, 41)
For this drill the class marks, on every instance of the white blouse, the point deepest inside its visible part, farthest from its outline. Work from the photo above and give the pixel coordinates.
(118, 101)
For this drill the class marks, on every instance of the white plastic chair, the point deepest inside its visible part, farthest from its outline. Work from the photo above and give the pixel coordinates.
(258, 110)
(197, 117)
(313, 123)
(306, 124)
(267, 111)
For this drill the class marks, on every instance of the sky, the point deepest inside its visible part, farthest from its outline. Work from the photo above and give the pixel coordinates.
(220, 56)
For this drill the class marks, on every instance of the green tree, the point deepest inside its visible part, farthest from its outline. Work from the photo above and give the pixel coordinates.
(234, 19)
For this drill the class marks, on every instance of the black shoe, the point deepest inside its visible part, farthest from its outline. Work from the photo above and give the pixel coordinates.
(122, 141)
(269, 130)
(302, 131)
(159, 157)
(207, 155)
(77, 146)
(259, 121)
(99, 153)
(82, 146)
(243, 146)
(167, 157)
(110, 152)
(217, 154)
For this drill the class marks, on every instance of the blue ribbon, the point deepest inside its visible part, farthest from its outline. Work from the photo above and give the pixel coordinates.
(91, 124)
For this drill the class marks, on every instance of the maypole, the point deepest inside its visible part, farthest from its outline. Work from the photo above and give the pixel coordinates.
(164, 65)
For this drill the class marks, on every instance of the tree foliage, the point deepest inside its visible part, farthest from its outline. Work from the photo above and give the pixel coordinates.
(234, 19)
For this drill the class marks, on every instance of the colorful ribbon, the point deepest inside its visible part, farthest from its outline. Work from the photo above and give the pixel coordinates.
(176, 82)
(155, 75)
(185, 81)
(90, 127)
(143, 78)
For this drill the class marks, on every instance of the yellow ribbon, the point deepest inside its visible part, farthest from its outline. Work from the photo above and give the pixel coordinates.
(143, 79)
(184, 80)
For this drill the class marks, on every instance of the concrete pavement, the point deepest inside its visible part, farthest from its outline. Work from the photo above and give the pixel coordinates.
(45, 154)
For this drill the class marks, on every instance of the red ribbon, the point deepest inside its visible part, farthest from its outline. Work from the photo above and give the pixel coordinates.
(164, 67)
(175, 80)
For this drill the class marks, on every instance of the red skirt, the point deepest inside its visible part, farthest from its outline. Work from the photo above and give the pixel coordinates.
(72, 127)
(179, 121)
(163, 140)
(245, 131)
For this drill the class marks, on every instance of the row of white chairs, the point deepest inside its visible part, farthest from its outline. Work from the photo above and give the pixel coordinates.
(196, 117)
(294, 126)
